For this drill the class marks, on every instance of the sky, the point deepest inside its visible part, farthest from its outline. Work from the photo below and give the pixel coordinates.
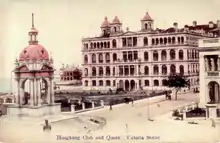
(63, 23)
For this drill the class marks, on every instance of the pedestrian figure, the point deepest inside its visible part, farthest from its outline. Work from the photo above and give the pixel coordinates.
(213, 123)
(132, 102)
(126, 126)
(110, 108)
(47, 127)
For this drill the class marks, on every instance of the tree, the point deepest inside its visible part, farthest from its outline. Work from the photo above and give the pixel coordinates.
(77, 74)
(177, 81)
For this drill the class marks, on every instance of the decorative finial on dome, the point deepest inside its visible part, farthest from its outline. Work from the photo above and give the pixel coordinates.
(33, 33)
(127, 28)
(106, 18)
(32, 20)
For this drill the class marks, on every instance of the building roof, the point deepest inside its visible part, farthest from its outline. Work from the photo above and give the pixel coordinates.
(205, 27)
(33, 51)
(147, 17)
(105, 23)
(116, 20)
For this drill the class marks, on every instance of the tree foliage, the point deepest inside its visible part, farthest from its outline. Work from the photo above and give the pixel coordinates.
(77, 74)
(177, 81)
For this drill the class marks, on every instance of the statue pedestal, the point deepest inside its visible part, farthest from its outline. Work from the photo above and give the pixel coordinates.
(211, 111)
(42, 110)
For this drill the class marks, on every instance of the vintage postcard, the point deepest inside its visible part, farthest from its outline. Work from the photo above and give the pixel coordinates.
(110, 71)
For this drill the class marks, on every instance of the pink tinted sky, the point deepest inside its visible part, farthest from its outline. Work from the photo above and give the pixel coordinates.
(63, 23)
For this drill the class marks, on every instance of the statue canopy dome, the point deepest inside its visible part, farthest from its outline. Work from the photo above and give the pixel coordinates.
(34, 52)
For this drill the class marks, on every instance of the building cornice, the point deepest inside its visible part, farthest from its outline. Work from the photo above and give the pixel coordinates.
(149, 34)
(159, 47)
(208, 49)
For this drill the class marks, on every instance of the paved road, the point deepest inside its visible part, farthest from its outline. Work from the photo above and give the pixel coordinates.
(134, 116)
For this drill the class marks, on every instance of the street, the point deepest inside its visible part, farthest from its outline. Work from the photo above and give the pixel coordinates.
(122, 120)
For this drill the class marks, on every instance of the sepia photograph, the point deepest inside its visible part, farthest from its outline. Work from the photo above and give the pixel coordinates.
(110, 71)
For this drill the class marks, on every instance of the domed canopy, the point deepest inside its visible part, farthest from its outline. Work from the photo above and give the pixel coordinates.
(34, 52)
(105, 23)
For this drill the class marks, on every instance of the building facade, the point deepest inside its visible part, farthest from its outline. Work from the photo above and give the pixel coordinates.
(142, 59)
(209, 71)
(70, 73)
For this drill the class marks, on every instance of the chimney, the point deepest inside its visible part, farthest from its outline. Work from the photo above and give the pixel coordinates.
(194, 23)
(218, 23)
(211, 24)
(175, 25)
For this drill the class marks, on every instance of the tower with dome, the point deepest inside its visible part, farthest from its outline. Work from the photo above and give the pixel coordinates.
(34, 74)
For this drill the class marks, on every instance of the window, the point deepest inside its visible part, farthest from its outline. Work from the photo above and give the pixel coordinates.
(93, 83)
(146, 83)
(146, 56)
(145, 26)
(114, 43)
(156, 83)
(100, 83)
(86, 83)
(145, 41)
(108, 83)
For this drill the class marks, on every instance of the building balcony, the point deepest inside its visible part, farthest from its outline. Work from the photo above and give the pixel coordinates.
(133, 46)
(213, 73)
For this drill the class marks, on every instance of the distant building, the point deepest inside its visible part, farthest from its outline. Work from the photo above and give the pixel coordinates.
(145, 58)
(69, 73)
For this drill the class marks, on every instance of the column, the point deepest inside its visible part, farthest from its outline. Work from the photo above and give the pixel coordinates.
(31, 92)
(103, 57)
(184, 114)
(123, 70)
(207, 113)
(129, 70)
(218, 68)
(93, 104)
(206, 63)
(13, 99)
(102, 103)
(97, 57)
(72, 108)
(159, 55)
(35, 92)
(83, 106)
(136, 67)
(48, 90)
(21, 95)
(18, 99)
(177, 54)
(168, 69)
(38, 92)
(52, 91)
(213, 64)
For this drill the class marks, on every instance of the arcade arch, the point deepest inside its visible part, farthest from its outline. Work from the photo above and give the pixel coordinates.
(214, 95)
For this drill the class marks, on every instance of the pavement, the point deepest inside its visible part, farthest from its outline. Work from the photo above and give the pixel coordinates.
(122, 121)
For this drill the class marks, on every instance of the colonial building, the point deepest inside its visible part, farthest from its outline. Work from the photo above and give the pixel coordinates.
(143, 58)
(209, 60)
(69, 73)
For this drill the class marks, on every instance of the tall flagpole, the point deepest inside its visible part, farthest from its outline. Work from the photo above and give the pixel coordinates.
(11, 83)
